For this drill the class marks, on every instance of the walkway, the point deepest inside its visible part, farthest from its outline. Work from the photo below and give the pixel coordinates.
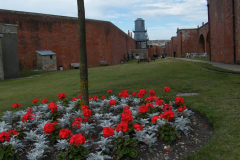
(232, 67)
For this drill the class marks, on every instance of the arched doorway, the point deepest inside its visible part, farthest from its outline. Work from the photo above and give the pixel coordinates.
(207, 43)
(201, 44)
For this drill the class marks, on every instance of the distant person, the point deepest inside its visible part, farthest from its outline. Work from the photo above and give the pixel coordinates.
(174, 54)
(162, 55)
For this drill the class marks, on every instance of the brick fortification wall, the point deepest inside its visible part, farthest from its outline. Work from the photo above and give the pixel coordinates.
(221, 30)
(173, 45)
(155, 49)
(237, 31)
(105, 42)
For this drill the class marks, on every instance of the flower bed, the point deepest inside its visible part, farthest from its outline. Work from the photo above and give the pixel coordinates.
(113, 128)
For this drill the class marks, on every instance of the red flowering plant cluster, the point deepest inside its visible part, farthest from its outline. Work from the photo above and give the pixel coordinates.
(16, 105)
(62, 97)
(143, 111)
(35, 100)
(55, 114)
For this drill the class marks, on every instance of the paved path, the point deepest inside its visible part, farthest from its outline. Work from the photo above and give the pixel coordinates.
(232, 67)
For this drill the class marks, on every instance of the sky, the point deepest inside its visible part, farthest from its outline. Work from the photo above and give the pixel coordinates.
(162, 17)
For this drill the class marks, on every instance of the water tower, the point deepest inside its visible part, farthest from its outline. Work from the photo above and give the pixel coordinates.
(140, 34)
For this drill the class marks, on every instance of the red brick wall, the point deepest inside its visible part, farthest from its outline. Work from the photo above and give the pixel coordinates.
(60, 34)
(237, 30)
(174, 45)
(221, 30)
(155, 49)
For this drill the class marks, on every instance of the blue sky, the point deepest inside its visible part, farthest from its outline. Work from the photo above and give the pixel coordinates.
(162, 17)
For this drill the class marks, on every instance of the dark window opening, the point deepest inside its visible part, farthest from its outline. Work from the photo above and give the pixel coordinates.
(50, 57)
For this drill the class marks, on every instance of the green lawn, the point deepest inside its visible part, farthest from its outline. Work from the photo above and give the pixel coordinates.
(219, 94)
(198, 58)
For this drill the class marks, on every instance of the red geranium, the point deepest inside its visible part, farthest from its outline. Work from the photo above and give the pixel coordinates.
(12, 132)
(61, 95)
(89, 97)
(166, 89)
(79, 96)
(142, 109)
(103, 98)
(109, 91)
(152, 92)
(154, 119)
(127, 116)
(35, 100)
(149, 105)
(140, 95)
(134, 93)
(179, 100)
(27, 116)
(87, 113)
(124, 94)
(45, 100)
(55, 122)
(108, 131)
(123, 126)
(112, 102)
(77, 122)
(53, 107)
(143, 91)
(73, 99)
(126, 108)
(64, 133)
(4, 136)
(48, 128)
(182, 108)
(166, 107)
(16, 105)
(138, 127)
(151, 99)
(77, 140)
(94, 98)
(84, 107)
(167, 115)
(159, 102)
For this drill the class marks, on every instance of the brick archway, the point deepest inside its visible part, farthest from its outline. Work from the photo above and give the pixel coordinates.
(201, 44)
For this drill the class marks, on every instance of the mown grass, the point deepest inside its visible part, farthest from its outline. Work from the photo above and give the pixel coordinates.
(198, 58)
(218, 99)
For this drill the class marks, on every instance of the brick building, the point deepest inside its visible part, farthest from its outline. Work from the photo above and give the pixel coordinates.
(105, 41)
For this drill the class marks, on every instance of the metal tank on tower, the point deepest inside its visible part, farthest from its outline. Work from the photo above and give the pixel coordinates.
(140, 34)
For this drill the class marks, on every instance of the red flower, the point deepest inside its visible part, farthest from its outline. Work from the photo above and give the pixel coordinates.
(109, 91)
(35, 100)
(134, 93)
(149, 105)
(159, 102)
(166, 89)
(152, 92)
(120, 94)
(167, 115)
(45, 100)
(179, 100)
(138, 127)
(64, 133)
(127, 116)
(87, 113)
(53, 107)
(142, 109)
(77, 140)
(27, 116)
(73, 99)
(143, 91)
(140, 95)
(154, 119)
(79, 96)
(123, 126)
(48, 128)
(167, 107)
(16, 105)
(108, 131)
(126, 108)
(4, 136)
(124, 94)
(182, 108)
(112, 102)
(61, 95)
(77, 122)
(103, 98)
(151, 99)
(94, 98)
(89, 97)
(84, 107)
(12, 132)
(55, 122)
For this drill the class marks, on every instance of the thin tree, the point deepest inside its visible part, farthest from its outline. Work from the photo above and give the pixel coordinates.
(82, 54)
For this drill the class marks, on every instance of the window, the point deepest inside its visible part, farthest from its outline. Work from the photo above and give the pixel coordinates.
(50, 57)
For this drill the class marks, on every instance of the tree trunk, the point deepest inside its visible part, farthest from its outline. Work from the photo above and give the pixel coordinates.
(82, 54)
